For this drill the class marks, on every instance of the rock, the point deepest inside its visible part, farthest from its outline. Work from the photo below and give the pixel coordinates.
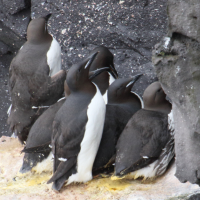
(4, 91)
(33, 186)
(187, 22)
(14, 6)
(15, 15)
(176, 59)
(9, 38)
(4, 49)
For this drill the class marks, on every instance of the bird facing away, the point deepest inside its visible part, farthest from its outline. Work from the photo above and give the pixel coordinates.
(77, 128)
(103, 59)
(122, 104)
(35, 78)
(146, 144)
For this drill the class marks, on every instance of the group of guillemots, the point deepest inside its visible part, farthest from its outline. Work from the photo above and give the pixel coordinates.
(99, 127)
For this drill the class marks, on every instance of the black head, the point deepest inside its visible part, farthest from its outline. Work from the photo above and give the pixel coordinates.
(103, 59)
(92, 75)
(78, 74)
(155, 99)
(37, 30)
(120, 89)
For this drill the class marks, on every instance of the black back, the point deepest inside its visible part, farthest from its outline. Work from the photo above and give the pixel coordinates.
(121, 95)
(29, 80)
(146, 133)
(70, 120)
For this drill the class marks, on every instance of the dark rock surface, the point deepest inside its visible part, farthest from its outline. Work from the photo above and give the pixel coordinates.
(130, 29)
(10, 42)
(14, 6)
(4, 93)
(177, 63)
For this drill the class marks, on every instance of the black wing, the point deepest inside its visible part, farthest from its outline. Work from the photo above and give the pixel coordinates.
(142, 141)
(66, 144)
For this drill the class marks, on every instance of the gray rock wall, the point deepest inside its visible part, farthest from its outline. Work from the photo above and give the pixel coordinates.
(177, 63)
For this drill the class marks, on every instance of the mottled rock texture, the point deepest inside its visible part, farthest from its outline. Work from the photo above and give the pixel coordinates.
(130, 29)
(177, 63)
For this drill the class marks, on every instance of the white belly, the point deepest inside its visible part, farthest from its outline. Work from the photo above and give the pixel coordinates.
(91, 140)
(54, 57)
(111, 80)
(45, 166)
(145, 172)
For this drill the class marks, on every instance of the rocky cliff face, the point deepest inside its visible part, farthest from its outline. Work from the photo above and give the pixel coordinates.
(177, 63)
(130, 29)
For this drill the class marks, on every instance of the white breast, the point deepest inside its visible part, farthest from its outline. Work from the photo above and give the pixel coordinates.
(91, 140)
(111, 80)
(54, 57)
(141, 101)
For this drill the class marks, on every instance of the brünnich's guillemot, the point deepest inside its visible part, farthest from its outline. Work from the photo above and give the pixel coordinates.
(146, 146)
(35, 78)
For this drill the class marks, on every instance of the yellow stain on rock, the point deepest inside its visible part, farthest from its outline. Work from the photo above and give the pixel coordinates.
(38, 179)
(108, 184)
(25, 182)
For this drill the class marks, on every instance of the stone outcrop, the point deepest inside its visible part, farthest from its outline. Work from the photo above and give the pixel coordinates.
(177, 62)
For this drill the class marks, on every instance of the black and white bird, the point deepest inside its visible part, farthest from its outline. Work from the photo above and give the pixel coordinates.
(35, 78)
(38, 144)
(122, 104)
(103, 59)
(146, 146)
(38, 156)
(77, 128)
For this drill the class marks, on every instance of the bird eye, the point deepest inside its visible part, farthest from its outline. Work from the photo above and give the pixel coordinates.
(159, 90)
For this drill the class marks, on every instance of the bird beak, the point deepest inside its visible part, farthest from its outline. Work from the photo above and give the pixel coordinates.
(47, 17)
(92, 57)
(113, 71)
(95, 73)
(135, 78)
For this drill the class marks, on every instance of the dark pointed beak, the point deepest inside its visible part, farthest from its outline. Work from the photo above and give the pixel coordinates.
(135, 78)
(95, 73)
(91, 59)
(47, 17)
(113, 71)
